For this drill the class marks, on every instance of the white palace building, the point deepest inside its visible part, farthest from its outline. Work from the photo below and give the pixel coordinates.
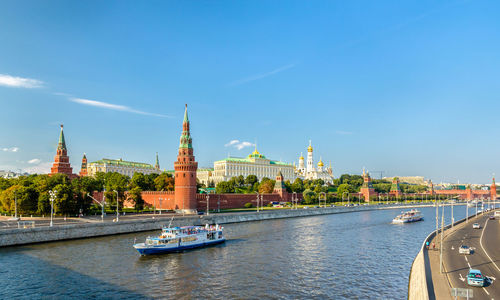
(254, 164)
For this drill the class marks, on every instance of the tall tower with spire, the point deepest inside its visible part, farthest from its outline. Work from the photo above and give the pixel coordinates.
(157, 163)
(310, 166)
(185, 171)
(83, 170)
(61, 160)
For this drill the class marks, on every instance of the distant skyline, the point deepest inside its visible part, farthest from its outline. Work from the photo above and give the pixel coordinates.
(409, 88)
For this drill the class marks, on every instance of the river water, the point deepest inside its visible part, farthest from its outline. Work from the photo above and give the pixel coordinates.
(353, 255)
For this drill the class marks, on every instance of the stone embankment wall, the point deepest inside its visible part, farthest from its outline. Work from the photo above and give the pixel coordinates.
(11, 237)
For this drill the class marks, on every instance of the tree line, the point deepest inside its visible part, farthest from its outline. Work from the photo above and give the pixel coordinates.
(72, 196)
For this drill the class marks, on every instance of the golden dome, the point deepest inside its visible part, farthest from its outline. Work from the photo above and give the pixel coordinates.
(301, 156)
(310, 148)
(255, 152)
(320, 164)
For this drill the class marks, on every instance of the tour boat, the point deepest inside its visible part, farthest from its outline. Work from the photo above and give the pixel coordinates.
(181, 238)
(408, 216)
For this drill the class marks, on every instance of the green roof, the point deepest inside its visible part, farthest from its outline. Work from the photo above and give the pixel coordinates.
(62, 142)
(119, 162)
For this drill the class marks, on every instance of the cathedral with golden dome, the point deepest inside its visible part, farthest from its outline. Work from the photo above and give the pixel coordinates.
(310, 172)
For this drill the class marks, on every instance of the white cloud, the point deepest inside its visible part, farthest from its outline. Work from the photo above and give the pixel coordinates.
(231, 143)
(264, 75)
(12, 149)
(111, 106)
(19, 82)
(239, 145)
(34, 161)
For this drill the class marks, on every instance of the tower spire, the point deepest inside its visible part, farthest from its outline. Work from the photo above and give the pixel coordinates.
(62, 142)
(157, 163)
(185, 141)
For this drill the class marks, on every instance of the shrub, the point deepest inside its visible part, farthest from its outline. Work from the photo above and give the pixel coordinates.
(248, 205)
(270, 204)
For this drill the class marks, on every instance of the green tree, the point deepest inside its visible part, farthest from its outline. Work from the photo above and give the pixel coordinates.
(136, 197)
(344, 188)
(298, 186)
(309, 196)
(224, 187)
(266, 185)
(251, 180)
(164, 182)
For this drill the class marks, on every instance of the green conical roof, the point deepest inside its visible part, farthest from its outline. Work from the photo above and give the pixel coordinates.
(62, 143)
(186, 119)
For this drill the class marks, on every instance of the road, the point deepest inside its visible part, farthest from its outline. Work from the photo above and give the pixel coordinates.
(486, 256)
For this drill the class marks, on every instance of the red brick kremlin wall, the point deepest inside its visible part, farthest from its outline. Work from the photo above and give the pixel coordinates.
(222, 201)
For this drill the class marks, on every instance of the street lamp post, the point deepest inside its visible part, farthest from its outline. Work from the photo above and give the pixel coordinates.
(53, 195)
(257, 201)
(101, 204)
(452, 219)
(208, 204)
(343, 196)
(15, 205)
(159, 199)
(117, 206)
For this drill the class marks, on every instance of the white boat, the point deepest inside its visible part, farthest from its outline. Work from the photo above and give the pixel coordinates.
(181, 238)
(473, 203)
(408, 217)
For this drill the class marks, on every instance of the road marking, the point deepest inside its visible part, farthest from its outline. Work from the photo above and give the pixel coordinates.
(481, 243)
(461, 278)
(486, 291)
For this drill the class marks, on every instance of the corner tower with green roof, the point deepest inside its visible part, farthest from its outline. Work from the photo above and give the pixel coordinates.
(185, 171)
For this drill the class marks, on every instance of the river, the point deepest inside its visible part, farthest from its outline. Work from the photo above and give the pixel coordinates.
(353, 255)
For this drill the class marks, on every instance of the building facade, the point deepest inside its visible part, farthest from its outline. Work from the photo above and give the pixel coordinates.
(310, 172)
(254, 164)
(205, 176)
(123, 167)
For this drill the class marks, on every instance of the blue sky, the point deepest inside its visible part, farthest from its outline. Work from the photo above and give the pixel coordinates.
(405, 87)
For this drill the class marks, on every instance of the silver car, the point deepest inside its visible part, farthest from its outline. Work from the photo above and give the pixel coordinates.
(476, 226)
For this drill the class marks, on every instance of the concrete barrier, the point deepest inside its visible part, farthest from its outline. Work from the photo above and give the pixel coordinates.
(13, 237)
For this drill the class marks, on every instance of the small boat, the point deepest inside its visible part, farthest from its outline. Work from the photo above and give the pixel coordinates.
(181, 238)
(408, 216)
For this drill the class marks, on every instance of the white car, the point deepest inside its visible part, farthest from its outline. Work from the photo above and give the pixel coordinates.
(476, 226)
(464, 250)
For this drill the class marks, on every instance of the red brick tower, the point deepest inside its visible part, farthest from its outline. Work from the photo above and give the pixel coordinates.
(493, 190)
(280, 188)
(367, 189)
(83, 170)
(395, 189)
(185, 172)
(61, 160)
